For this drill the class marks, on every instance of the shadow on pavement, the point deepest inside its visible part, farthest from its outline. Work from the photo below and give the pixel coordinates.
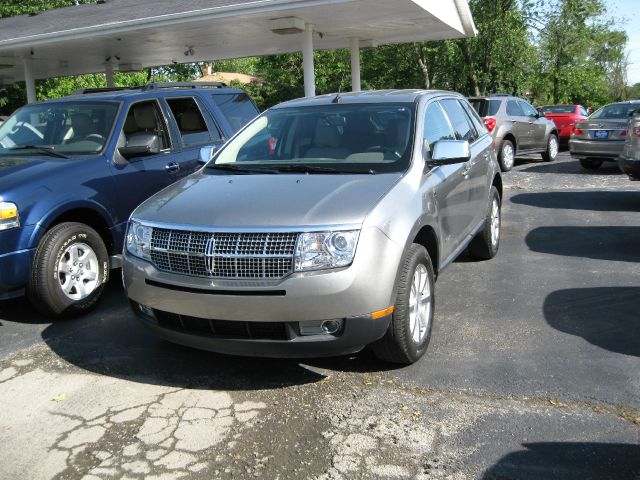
(597, 201)
(607, 169)
(606, 317)
(600, 243)
(569, 461)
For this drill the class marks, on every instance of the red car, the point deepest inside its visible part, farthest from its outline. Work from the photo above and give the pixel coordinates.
(565, 117)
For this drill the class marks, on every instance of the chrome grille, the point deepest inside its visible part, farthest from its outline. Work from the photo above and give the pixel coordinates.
(223, 255)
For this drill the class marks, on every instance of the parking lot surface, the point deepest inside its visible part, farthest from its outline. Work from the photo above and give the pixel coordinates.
(533, 372)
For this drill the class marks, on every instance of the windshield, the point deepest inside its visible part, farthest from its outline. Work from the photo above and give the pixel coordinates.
(616, 111)
(559, 109)
(336, 138)
(69, 128)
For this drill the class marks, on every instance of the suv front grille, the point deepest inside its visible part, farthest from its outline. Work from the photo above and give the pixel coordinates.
(223, 255)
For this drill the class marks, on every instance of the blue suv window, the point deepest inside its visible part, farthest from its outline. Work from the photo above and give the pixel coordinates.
(193, 128)
(237, 108)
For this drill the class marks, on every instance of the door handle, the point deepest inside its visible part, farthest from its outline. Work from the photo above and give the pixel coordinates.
(172, 167)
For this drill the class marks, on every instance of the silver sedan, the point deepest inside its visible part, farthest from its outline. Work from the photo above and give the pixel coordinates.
(601, 137)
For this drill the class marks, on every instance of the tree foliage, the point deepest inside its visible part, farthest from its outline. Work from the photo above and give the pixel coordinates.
(552, 50)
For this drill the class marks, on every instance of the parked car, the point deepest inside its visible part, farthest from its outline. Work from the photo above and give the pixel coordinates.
(320, 228)
(601, 137)
(564, 117)
(517, 128)
(73, 169)
(629, 161)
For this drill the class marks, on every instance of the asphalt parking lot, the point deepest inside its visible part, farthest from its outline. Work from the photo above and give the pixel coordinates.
(533, 372)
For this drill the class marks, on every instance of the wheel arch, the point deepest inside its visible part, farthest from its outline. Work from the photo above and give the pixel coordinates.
(86, 213)
(497, 182)
(428, 238)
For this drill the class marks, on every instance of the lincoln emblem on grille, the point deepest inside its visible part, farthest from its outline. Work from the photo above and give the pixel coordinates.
(209, 250)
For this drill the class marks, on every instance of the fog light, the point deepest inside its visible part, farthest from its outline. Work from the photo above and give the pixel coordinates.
(145, 310)
(331, 326)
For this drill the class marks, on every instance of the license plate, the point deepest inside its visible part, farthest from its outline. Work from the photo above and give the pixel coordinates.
(601, 134)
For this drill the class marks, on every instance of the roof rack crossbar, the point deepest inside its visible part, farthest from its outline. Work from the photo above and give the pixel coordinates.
(156, 85)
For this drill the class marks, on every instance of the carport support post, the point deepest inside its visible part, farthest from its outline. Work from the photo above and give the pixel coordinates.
(307, 62)
(355, 65)
(29, 81)
(108, 73)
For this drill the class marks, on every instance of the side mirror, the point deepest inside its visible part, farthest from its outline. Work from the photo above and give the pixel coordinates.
(449, 152)
(540, 115)
(140, 145)
(206, 153)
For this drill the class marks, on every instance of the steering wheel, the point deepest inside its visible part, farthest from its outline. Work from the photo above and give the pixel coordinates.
(94, 137)
(383, 149)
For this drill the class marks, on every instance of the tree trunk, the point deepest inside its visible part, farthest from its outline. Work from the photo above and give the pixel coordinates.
(466, 54)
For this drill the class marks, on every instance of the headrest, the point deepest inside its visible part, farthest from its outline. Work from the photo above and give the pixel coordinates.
(81, 123)
(145, 116)
(326, 135)
(191, 121)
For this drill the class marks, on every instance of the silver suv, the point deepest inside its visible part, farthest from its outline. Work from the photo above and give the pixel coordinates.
(517, 128)
(319, 228)
(629, 160)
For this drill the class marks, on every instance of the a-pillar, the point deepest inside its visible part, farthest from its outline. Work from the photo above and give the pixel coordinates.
(29, 81)
(355, 65)
(307, 62)
(108, 73)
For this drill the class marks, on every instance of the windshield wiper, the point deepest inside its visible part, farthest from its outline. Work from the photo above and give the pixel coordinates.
(307, 169)
(42, 149)
(237, 169)
(319, 169)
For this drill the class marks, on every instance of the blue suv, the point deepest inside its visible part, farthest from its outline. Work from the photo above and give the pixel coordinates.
(72, 170)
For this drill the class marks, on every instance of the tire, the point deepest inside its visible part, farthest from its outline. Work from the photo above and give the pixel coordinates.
(68, 249)
(553, 147)
(506, 155)
(590, 163)
(485, 244)
(407, 338)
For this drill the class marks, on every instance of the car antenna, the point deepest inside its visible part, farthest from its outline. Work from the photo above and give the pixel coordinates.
(337, 99)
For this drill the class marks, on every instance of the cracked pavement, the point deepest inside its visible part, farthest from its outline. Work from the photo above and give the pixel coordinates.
(533, 372)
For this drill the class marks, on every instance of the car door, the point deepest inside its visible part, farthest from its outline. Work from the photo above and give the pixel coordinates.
(451, 193)
(136, 179)
(480, 165)
(537, 126)
(194, 131)
(520, 124)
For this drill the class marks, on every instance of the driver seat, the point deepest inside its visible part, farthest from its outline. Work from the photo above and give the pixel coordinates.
(326, 143)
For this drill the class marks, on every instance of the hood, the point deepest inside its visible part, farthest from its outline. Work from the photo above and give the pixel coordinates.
(17, 170)
(284, 200)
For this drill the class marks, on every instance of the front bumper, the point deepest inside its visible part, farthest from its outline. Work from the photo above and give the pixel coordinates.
(349, 294)
(354, 335)
(630, 166)
(602, 149)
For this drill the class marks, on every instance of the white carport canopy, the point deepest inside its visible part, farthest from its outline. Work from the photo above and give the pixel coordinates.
(126, 35)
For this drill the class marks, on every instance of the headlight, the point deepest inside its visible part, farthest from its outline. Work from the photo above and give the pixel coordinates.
(139, 240)
(319, 250)
(9, 217)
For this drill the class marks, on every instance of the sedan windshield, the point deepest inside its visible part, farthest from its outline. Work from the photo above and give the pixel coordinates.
(616, 111)
(60, 129)
(326, 139)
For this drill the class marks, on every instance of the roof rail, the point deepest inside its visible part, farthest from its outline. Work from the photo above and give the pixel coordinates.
(156, 85)
(84, 91)
(500, 95)
(150, 86)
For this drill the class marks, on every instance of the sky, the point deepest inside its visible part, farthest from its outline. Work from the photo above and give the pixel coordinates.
(626, 13)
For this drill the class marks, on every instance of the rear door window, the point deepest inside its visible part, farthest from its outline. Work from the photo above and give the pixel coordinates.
(513, 109)
(237, 108)
(461, 123)
(191, 123)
